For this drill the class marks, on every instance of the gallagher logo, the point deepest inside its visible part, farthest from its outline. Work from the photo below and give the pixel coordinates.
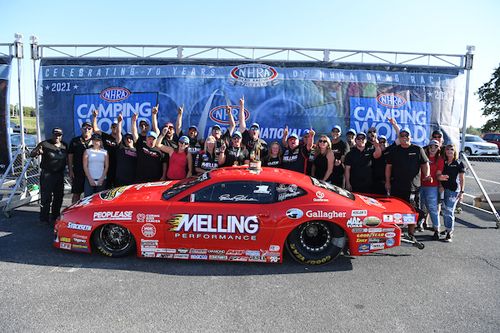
(115, 94)
(391, 100)
(254, 75)
(219, 114)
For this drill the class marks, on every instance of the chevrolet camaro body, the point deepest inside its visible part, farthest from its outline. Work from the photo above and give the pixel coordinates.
(233, 214)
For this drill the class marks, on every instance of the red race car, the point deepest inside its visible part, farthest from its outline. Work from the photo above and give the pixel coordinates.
(234, 214)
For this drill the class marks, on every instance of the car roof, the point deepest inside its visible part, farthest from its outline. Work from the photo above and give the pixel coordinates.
(265, 174)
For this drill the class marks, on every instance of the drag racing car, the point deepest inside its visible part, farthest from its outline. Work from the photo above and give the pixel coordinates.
(234, 214)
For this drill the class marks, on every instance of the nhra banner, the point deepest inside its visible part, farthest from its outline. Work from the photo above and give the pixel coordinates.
(298, 95)
(5, 155)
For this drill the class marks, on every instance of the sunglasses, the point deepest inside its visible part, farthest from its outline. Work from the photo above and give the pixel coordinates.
(404, 135)
(433, 147)
(113, 126)
(322, 141)
(210, 141)
(452, 149)
(171, 127)
(372, 131)
(236, 138)
(360, 138)
(143, 125)
(86, 128)
(128, 138)
(382, 141)
(335, 131)
(183, 143)
(254, 128)
(437, 136)
(215, 129)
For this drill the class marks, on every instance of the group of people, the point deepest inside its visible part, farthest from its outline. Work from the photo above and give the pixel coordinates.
(364, 163)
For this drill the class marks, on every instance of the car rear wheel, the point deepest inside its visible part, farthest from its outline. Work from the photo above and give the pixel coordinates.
(114, 240)
(316, 242)
(468, 151)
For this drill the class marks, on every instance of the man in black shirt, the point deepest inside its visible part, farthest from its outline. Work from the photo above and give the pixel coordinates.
(220, 138)
(251, 136)
(296, 155)
(151, 166)
(236, 154)
(358, 165)
(54, 154)
(77, 147)
(340, 149)
(126, 157)
(402, 173)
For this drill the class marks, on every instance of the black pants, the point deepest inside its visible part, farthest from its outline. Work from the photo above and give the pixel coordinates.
(51, 191)
(413, 198)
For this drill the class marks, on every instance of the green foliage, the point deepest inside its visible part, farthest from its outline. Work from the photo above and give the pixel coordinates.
(489, 94)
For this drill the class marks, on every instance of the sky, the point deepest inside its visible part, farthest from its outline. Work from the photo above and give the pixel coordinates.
(426, 26)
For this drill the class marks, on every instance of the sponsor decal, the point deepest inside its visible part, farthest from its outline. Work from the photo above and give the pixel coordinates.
(409, 219)
(359, 212)
(377, 240)
(217, 251)
(387, 229)
(65, 239)
(398, 218)
(358, 230)
(257, 258)
(236, 198)
(149, 218)
(262, 189)
(252, 253)
(113, 193)
(217, 257)
(372, 221)
(66, 246)
(181, 256)
(171, 250)
(115, 94)
(270, 253)
(274, 248)
(294, 213)
(148, 254)
(374, 229)
(354, 222)
(219, 114)
(233, 258)
(113, 215)
(77, 226)
(149, 244)
(328, 215)
(235, 252)
(254, 75)
(390, 235)
(82, 202)
(364, 248)
(182, 250)
(78, 240)
(371, 234)
(281, 188)
(388, 218)
(390, 242)
(274, 259)
(80, 247)
(148, 230)
(202, 223)
(361, 240)
(198, 251)
(199, 256)
(371, 201)
(391, 100)
(164, 255)
(79, 236)
(320, 197)
(378, 246)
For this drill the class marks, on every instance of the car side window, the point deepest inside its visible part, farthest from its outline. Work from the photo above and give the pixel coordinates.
(249, 192)
(488, 137)
(288, 191)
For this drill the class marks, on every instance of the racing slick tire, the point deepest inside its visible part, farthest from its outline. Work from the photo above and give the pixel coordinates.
(316, 242)
(114, 240)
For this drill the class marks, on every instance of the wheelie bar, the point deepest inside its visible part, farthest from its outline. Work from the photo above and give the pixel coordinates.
(407, 242)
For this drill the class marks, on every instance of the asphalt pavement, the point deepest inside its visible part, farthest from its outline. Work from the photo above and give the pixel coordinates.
(447, 287)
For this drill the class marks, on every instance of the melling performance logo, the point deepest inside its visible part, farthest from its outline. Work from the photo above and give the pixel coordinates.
(254, 75)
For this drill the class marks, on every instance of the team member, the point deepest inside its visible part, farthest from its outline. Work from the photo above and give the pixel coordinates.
(378, 168)
(77, 147)
(358, 165)
(371, 136)
(95, 165)
(54, 154)
(350, 135)
(151, 165)
(144, 127)
(340, 149)
(323, 159)
(273, 158)
(126, 157)
(174, 133)
(180, 158)
(236, 154)
(453, 182)
(296, 155)
(110, 143)
(405, 162)
(251, 138)
(208, 158)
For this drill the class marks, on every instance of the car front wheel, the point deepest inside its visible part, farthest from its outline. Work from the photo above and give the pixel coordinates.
(316, 242)
(114, 240)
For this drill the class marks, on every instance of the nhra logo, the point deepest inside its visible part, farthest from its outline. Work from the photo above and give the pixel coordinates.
(254, 75)
(115, 94)
(219, 114)
(391, 100)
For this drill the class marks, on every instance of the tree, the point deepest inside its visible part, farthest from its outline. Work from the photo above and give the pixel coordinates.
(489, 94)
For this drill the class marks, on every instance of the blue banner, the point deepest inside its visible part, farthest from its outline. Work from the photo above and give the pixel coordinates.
(276, 96)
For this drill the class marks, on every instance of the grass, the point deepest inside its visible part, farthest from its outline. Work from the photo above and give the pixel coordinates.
(29, 123)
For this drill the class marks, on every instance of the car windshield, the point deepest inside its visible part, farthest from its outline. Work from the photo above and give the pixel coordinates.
(184, 185)
(473, 139)
(332, 188)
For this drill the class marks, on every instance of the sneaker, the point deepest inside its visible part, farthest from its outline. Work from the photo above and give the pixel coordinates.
(444, 232)
(436, 235)
(418, 228)
(448, 237)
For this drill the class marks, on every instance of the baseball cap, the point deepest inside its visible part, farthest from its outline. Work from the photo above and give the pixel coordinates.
(352, 131)
(194, 127)
(405, 129)
(293, 136)
(255, 125)
(169, 125)
(96, 136)
(153, 134)
(216, 127)
(382, 137)
(57, 130)
(337, 127)
(144, 121)
(361, 133)
(86, 123)
(433, 143)
(237, 133)
(184, 139)
(438, 131)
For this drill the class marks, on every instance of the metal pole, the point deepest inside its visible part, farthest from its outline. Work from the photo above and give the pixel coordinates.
(468, 66)
(35, 56)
